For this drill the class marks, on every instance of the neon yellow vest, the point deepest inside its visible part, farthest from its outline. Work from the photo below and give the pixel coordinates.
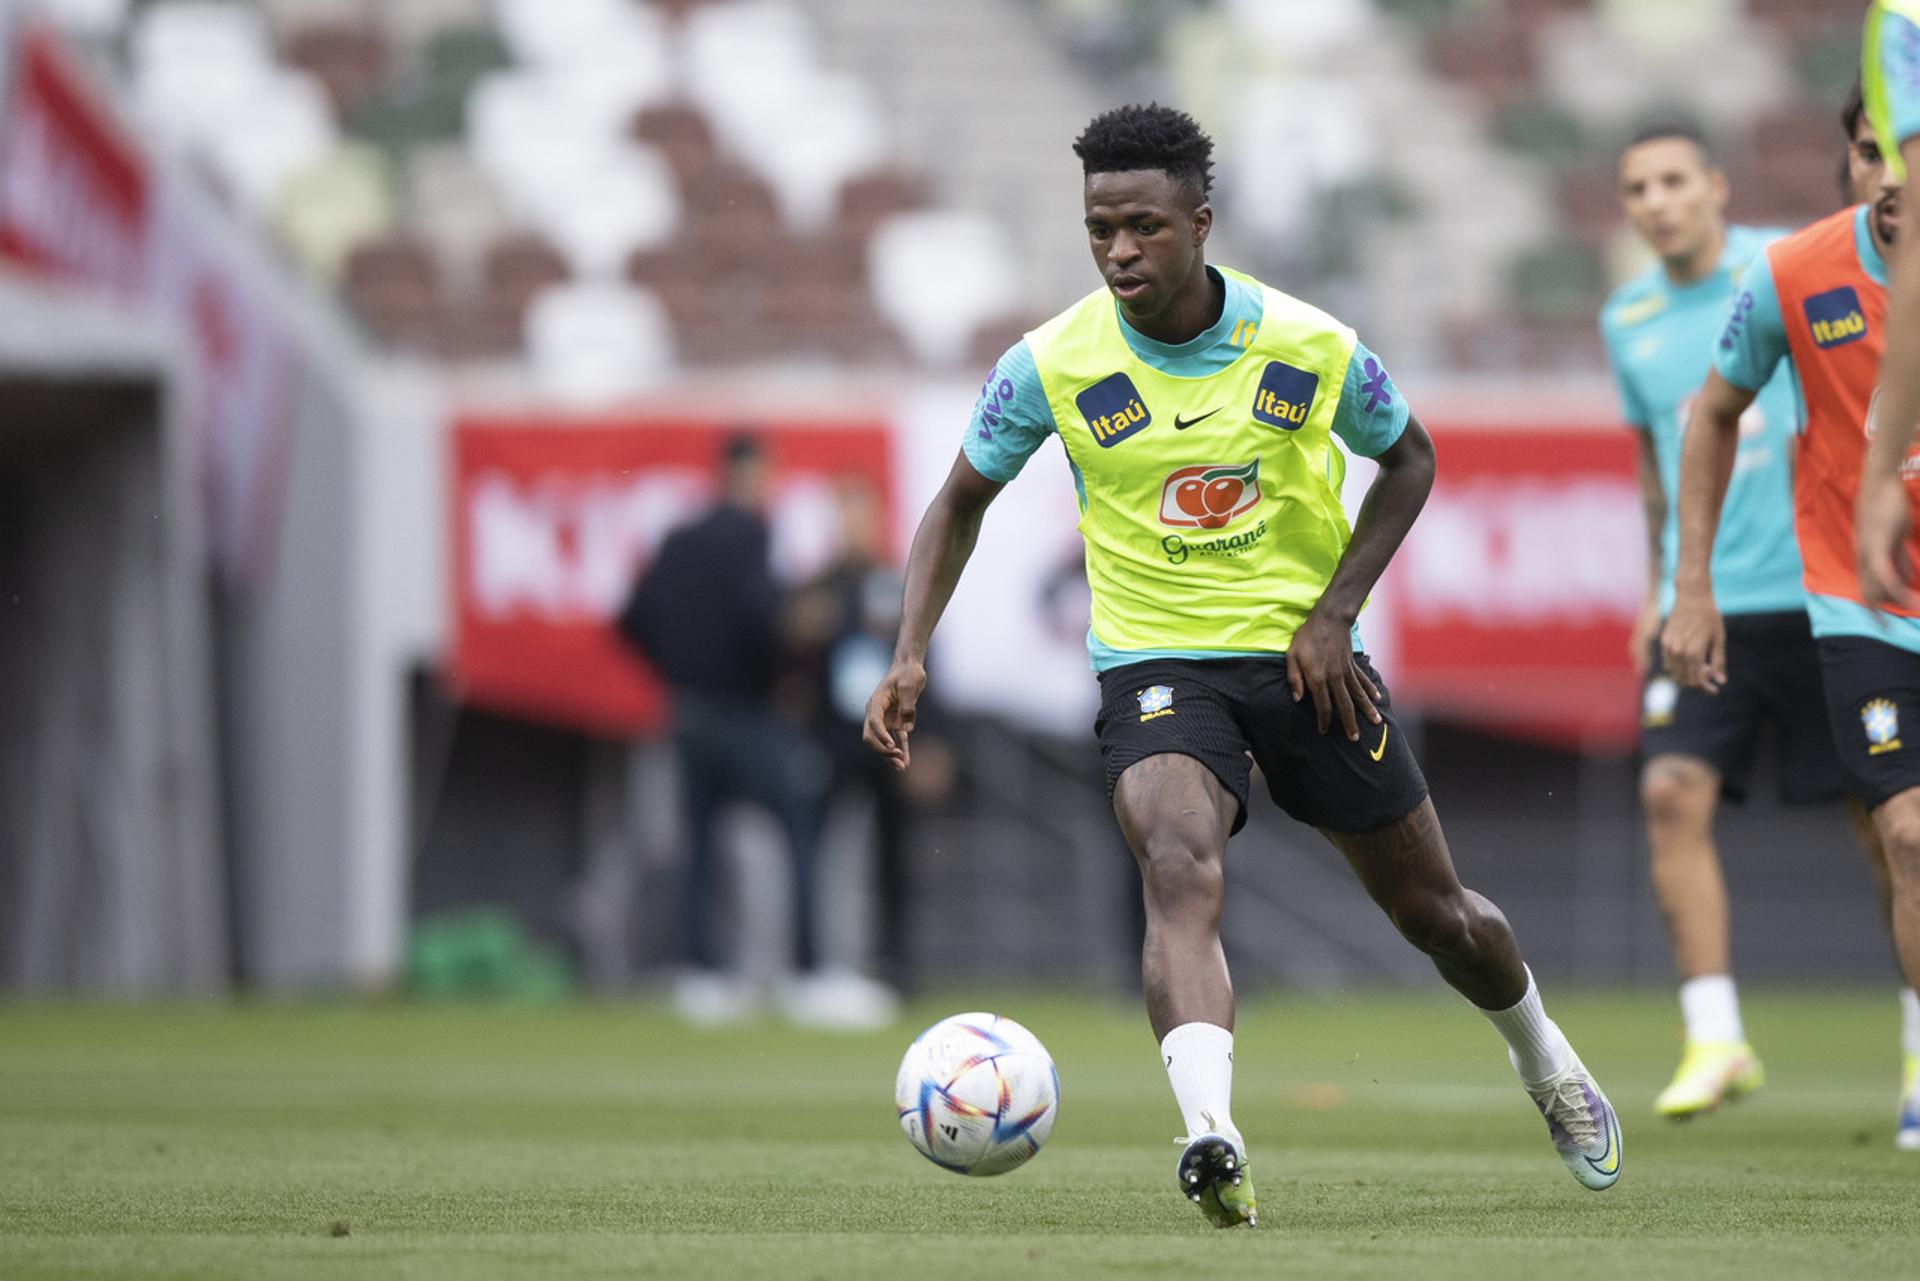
(1210, 506)
(1874, 85)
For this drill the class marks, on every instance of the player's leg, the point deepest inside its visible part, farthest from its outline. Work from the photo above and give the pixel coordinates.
(1907, 1128)
(1177, 816)
(1698, 747)
(1177, 766)
(1408, 870)
(1872, 693)
(1370, 799)
(1678, 795)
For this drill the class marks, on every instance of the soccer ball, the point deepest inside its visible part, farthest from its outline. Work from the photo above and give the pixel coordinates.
(977, 1094)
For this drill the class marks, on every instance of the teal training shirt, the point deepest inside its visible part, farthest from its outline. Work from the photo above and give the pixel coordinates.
(1660, 341)
(1011, 418)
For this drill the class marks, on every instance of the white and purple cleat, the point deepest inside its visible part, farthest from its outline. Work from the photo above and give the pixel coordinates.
(1585, 1131)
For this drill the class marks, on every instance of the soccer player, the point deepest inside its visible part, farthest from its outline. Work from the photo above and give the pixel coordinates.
(1659, 329)
(1198, 411)
(1890, 76)
(1818, 300)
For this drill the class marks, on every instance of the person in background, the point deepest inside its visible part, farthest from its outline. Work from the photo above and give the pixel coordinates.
(846, 619)
(708, 613)
(1659, 329)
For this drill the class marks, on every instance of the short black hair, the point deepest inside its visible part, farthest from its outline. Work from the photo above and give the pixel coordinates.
(1850, 114)
(1661, 130)
(1148, 137)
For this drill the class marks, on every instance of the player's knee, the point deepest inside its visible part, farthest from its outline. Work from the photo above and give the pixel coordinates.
(1437, 924)
(1898, 822)
(1673, 796)
(1180, 871)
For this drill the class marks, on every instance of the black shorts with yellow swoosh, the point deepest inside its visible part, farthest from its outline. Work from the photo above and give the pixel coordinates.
(1232, 713)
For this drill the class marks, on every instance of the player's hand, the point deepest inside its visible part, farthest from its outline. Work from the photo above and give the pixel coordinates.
(1645, 635)
(1882, 519)
(1320, 662)
(1694, 643)
(891, 710)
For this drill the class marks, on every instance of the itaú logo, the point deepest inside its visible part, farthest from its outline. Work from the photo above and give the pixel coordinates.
(1210, 495)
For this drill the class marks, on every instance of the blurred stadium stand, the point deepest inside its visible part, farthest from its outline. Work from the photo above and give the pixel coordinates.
(796, 152)
(564, 242)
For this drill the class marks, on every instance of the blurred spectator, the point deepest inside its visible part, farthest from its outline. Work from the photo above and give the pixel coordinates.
(708, 613)
(846, 619)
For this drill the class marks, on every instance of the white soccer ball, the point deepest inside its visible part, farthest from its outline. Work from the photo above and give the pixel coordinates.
(977, 1094)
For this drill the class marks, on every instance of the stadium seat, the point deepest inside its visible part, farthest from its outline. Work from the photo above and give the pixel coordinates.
(868, 199)
(394, 287)
(283, 128)
(681, 134)
(348, 58)
(937, 276)
(518, 268)
(593, 343)
(328, 208)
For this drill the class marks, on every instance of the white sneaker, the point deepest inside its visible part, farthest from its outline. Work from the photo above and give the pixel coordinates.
(1585, 1131)
(707, 998)
(839, 1000)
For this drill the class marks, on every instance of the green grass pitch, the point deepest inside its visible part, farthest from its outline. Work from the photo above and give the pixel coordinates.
(590, 1141)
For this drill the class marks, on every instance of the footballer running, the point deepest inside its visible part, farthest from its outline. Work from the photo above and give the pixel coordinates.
(1199, 411)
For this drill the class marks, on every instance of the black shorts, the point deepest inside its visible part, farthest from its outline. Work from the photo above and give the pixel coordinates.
(1873, 706)
(1220, 710)
(1773, 679)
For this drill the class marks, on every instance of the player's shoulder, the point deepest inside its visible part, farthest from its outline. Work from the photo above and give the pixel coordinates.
(1047, 331)
(1635, 301)
(1282, 310)
(1836, 225)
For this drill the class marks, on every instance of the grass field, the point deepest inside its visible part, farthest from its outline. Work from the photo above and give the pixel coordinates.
(608, 1141)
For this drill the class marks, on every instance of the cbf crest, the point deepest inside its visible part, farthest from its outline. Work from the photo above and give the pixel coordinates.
(1657, 704)
(1155, 701)
(1880, 718)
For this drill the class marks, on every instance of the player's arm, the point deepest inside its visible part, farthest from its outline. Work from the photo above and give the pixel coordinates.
(1320, 656)
(1694, 641)
(1653, 502)
(941, 548)
(1882, 515)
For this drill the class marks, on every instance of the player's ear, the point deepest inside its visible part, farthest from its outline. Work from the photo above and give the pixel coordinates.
(1717, 179)
(1202, 220)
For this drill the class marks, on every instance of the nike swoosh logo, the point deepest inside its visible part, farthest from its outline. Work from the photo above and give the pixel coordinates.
(1608, 1162)
(1381, 750)
(1181, 424)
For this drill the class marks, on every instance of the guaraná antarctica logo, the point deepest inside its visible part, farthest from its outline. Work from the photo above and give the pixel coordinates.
(1209, 495)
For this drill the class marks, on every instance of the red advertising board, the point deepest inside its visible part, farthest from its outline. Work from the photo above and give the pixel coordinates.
(1513, 597)
(552, 521)
(75, 194)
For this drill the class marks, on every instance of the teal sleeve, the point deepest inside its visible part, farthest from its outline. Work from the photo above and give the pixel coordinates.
(1371, 415)
(1011, 418)
(1900, 73)
(1633, 406)
(1754, 341)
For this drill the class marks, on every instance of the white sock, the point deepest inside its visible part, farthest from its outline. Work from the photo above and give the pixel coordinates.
(1199, 1059)
(1711, 1009)
(1539, 1049)
(1909, 1021)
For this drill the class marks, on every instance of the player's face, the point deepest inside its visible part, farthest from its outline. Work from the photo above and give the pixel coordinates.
(1146, 237)
(1872, 185)
(1672, 196)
